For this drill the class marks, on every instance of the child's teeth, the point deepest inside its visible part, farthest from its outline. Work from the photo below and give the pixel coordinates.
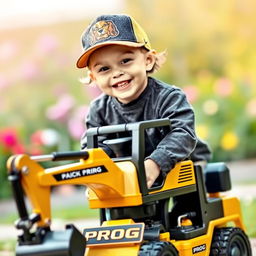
(122, 84)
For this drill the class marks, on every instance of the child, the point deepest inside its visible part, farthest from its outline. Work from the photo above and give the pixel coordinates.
(119, 57)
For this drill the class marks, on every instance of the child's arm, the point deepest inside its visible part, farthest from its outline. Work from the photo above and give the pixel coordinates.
(178, 144)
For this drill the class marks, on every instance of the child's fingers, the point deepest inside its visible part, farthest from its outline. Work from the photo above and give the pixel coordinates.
(150, 183)
(152, 171)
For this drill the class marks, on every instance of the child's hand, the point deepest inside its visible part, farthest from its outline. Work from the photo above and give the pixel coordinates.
(152, 171)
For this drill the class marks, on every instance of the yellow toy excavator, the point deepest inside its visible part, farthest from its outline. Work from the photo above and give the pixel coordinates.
(182, 214)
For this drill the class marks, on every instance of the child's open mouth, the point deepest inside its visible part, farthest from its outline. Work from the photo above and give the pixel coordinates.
(122, 84)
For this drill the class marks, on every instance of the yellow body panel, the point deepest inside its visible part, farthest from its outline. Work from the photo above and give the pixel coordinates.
(184, 247)
(231, 207)
(30, 171)
(111, 187)
(232, 214)
(114, 251)
(180, 176)
(131, 195)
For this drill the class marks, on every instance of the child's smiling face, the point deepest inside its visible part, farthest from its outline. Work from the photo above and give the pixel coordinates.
(121, 71)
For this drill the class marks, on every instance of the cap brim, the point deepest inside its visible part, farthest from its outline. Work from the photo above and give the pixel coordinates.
(83, 60)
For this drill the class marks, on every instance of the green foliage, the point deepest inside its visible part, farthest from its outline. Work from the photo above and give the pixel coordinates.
(211, 55)
(5, 190)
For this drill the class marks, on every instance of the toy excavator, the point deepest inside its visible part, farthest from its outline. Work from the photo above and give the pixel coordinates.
(182, 214)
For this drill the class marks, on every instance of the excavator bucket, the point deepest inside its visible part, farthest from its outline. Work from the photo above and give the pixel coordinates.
(69, 242)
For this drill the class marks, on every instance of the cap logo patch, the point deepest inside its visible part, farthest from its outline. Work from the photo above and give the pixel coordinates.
(103, 30)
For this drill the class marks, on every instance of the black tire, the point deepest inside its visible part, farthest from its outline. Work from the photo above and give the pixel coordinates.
(157, 248)
(230, 242)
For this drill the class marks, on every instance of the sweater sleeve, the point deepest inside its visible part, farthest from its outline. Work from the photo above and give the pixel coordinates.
(179, 143)
(95, 119)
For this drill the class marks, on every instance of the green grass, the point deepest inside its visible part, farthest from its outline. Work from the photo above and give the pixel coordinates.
(244, 182)
(76, 212)
(7, 246)
(249, 213)
(66, 213)
(8, 219)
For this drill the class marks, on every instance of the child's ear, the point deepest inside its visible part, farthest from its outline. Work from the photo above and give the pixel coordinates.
(90, 74)
(150, 60)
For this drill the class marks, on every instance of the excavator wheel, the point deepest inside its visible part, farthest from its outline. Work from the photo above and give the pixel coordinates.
(230, 242)
(157, 248)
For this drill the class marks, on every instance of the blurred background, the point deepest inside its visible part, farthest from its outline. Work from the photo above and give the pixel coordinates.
(211, 56)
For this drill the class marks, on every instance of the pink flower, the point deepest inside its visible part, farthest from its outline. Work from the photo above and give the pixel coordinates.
(59, 89)
(47, 43)
(223, 87)
(29, 70)
(60, 111)
(35, 150)
(18, 149)
(76, 125)
(63, 61)
(41, 138)
(35, 146)
(191, 92)
(36, 138)
(9, 140)
(92, 90)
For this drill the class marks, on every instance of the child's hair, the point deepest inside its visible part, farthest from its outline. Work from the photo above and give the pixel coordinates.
(160, 60)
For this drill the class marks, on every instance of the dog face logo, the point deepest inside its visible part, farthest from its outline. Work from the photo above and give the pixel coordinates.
(103, 30)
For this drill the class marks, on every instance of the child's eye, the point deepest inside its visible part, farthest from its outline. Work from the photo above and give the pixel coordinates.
(103, 69)
(124, 61)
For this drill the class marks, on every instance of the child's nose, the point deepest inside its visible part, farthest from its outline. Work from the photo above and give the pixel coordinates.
(117, 73)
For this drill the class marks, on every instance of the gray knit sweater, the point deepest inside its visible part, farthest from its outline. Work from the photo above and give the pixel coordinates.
(158, 100)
